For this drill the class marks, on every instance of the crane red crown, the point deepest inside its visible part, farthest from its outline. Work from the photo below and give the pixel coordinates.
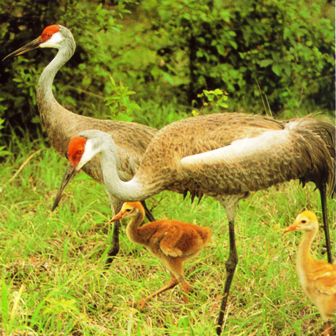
(49, 31)
(76, 148)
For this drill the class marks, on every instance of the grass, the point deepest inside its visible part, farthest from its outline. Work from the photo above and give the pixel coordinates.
(52, 264)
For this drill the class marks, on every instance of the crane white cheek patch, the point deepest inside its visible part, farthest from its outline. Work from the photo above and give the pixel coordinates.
(53, 42)
(88, 154)
(240, 149)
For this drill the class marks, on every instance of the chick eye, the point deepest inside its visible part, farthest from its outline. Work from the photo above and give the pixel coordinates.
(303, 221)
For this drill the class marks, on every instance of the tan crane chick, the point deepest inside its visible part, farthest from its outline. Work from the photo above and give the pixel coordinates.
(173, 242)
(317, 277)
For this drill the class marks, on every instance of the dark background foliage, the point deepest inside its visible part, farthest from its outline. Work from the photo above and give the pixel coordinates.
(157, 61)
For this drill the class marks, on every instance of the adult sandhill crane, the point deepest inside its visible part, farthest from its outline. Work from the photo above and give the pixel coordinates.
(173, 242)
(61, 124)
(317, 277)
(225, 156)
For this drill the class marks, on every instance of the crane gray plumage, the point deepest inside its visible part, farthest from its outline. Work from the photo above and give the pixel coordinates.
(301, 153)
(61, 124)
(225, 156)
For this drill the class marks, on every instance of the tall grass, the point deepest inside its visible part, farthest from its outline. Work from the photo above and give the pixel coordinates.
(53, 280)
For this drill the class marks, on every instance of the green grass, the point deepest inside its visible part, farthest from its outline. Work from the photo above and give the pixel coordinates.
(52, 264)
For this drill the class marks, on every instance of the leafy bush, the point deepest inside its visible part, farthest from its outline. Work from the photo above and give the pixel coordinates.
(282, 50)
(156, 61)
(3, 151)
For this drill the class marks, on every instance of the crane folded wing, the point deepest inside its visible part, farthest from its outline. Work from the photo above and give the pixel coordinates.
(240, 150)
(248, 164)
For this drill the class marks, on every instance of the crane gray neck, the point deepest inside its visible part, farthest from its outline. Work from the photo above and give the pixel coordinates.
(131, 190)
(44, 86)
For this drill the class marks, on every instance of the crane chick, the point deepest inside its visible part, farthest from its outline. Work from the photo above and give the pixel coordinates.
(173, 242)
(317, 277)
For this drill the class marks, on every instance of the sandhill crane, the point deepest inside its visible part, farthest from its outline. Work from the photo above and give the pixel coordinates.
(225, 156)
(61, 124)
(317, 277)
(173, 242)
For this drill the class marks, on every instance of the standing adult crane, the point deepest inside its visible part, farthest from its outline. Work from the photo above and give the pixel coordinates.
(225, 156)
(61, 124)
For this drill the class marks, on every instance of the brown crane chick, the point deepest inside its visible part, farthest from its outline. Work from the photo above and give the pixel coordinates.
(173, 242)
(317, 277)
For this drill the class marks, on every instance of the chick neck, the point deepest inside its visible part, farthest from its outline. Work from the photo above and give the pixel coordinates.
(133, 226)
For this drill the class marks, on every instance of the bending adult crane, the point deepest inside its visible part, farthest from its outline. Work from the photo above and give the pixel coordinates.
(61, 124)
(225, 156)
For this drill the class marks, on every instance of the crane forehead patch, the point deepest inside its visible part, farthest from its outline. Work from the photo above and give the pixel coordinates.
(76, 146)
(49, 31)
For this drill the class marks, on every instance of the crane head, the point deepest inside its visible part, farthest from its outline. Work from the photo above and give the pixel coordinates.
(129, 209)
(51, 37)
(76, 148)
(82, 148)
(305, 221)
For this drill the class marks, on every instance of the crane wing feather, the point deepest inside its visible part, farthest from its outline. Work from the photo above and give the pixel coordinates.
(240, 149)
(254, 163)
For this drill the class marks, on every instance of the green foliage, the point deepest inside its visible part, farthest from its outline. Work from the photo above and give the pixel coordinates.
(280, 44)
(164, 55)
(3, 151)
(213, 100)
(119, 101)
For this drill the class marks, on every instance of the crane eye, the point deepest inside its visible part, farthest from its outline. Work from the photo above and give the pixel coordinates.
(128, 210)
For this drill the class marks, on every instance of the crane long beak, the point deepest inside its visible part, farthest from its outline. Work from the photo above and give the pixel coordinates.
(27, 47)
(68, 176)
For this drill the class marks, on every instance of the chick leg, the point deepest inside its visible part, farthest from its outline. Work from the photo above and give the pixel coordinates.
(171, 284)
(175, 266)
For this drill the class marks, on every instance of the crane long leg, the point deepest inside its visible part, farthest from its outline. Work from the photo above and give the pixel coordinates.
(230, 265)
(115, 244)
(149, 215)
(323, 195)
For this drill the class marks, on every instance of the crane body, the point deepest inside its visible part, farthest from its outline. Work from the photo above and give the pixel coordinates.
(225, 156)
